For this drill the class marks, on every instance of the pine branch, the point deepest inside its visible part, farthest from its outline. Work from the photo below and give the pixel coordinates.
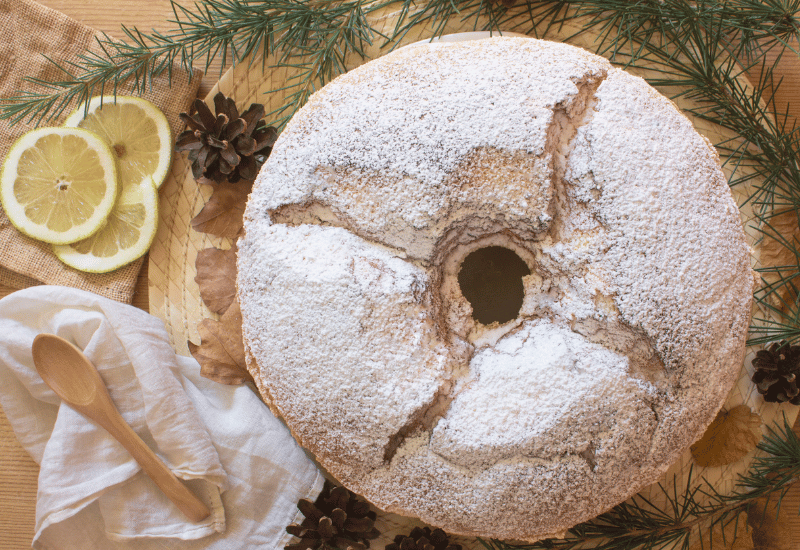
(638, 523)
(628, 28)
(231, 30)
(94, 74)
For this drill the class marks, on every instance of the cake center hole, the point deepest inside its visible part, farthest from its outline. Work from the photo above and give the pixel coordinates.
(491, 280)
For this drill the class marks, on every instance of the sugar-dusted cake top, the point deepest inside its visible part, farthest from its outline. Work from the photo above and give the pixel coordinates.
(635, 312)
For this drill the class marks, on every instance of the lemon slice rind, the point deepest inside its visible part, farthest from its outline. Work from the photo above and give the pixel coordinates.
(16, 210)
(116, 135)
(89, 256)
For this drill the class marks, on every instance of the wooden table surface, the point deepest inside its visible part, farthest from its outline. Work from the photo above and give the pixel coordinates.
(18, 473)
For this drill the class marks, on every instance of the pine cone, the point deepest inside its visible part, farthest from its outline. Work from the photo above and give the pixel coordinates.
(777, 370)
(423, 539)
(228, 146)
(336, 521)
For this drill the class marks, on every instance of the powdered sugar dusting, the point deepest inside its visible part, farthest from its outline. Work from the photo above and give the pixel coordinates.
(635, 311)
(343, 293)
(566, 380)
(385, 164)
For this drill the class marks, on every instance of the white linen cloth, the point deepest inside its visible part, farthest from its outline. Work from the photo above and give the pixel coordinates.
(240, 460)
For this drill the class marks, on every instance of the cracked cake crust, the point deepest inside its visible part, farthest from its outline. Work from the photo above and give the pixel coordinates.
(635, 312)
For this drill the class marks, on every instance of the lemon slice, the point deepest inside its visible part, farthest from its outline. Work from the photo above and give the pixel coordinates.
(126, 236)
(58, 185)
(135, 129)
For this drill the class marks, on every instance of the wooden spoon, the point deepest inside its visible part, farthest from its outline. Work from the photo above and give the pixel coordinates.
(72, 376)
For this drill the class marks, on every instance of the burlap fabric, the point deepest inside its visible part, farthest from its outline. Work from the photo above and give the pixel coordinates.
(31, 31)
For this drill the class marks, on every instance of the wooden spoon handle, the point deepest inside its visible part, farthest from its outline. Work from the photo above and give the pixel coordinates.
(74, 378)
(175, 490)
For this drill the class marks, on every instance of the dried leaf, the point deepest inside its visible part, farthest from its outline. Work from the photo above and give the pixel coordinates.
(735, 536)
(221, 350)
(222, 214)
(774, 253)
(771, 530)
(730, 436)
(216, 277)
